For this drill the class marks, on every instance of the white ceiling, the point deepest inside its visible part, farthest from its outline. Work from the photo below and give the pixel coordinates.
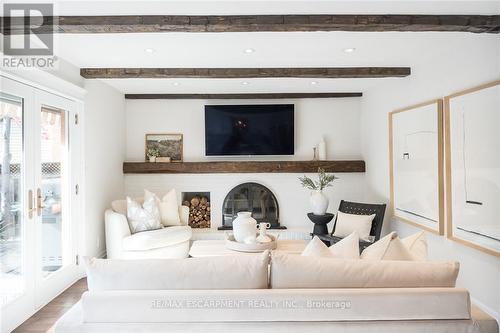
(272, 49)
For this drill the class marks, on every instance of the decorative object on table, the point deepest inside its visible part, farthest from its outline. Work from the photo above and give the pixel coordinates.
(263, 237)
(153, 154)
(320, 222)
(416, 165)
(319, 201)
(244, 227)
(473, 168)
(233, 244)
(163, 160)
(168, 145)
(322, 149)
(360, 209)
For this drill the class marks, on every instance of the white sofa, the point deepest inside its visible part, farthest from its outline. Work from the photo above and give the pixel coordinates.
(235, 294)
(169, 242)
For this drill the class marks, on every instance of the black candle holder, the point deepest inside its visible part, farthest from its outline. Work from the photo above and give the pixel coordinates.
(320, 222)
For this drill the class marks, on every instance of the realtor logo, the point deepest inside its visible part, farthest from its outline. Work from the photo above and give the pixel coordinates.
(28, 29)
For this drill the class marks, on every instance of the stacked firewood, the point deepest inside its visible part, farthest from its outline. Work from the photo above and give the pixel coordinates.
(199, 212)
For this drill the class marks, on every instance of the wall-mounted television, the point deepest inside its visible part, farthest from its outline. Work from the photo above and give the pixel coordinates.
(260, 129)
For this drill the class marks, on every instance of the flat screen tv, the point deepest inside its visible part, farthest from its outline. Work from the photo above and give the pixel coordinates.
(261, 129)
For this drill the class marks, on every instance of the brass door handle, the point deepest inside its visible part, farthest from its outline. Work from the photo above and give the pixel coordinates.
(30, 204)
(39, 202)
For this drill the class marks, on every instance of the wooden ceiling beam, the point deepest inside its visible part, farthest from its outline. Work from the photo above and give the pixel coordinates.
(257, 23)
(247, 73)
(244, 96)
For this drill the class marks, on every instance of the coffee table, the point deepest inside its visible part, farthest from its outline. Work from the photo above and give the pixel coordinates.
(212, 248)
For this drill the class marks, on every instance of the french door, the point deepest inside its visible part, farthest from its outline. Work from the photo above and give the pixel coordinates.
(40, 165)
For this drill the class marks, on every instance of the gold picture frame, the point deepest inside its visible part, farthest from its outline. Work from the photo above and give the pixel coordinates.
(434, 224)
(457, 233)
(169, 145)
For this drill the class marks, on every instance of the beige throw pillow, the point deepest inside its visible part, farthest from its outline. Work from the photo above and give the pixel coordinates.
(347, 248)
(348, 223)
(417, 245)
(143, 217)
(169, 209)
(389, 247)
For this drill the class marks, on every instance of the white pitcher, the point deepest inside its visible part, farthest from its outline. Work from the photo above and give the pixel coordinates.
(244, 226)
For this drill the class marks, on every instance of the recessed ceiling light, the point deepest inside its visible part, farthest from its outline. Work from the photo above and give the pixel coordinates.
(175, 84)
(349, 50)
(314, 83)
(244, 83)
(249, 50)
(148, 50)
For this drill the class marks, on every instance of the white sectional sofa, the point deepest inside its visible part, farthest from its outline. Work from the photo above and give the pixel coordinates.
(236, 294)
(169, 242)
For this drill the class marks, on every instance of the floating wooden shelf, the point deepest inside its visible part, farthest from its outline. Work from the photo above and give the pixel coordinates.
(244, 167)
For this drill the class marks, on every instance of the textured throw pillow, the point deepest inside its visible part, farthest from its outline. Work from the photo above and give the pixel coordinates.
(145, 217)
(347, 248)
(389, 247)
(169, 209)
(348, 223)
(417, 245)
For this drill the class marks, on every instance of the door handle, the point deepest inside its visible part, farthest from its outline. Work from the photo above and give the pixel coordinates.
(39, 202)
(30, 204)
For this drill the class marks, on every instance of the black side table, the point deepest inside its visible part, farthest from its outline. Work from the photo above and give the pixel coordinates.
(320, 223)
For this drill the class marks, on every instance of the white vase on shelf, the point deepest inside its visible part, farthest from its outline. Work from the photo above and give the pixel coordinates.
(263, 237)
(319, 202)
(322, 150)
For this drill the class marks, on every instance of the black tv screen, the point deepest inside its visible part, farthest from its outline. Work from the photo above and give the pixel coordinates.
(262, 129)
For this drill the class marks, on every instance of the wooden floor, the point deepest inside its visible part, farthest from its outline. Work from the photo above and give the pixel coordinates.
(45, 318)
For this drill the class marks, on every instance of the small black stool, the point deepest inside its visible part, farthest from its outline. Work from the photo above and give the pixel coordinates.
(320, 222)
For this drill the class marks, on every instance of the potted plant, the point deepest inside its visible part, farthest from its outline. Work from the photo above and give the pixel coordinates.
(153, 153)
(318, 200)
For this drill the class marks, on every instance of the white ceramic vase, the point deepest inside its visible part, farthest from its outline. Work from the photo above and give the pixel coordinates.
(319, 202)
(244, 227)
(152, 159)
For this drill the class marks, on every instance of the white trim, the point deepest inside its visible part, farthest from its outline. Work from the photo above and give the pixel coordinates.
(75, 93)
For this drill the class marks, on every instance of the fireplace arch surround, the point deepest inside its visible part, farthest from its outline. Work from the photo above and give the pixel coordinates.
(252, 197)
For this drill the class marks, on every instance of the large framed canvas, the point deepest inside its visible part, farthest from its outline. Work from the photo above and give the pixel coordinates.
(472, 138)
(168, 145)
(416, 165)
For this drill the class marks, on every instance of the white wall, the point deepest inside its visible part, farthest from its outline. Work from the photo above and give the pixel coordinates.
(104, 155)
(336, 119)
(462, 61)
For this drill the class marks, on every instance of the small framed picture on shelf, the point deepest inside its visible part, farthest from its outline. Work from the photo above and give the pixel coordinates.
(168, 145)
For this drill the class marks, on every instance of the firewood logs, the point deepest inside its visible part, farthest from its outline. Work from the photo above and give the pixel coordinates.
(199, 212)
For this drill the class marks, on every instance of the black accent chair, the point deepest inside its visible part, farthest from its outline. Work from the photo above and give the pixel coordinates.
(359, 209)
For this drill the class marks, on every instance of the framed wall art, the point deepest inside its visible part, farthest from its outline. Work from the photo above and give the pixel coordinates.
(168, 145)
(416, 165)
(472, 143)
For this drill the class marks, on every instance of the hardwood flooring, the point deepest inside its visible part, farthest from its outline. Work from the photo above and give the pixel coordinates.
(45, 318)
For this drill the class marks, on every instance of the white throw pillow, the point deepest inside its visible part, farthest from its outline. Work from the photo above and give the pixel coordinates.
(145, 217)
(389, 247)
(316, 248)
(347, 248)
(169, 209)
(417, 245)
(348, 223)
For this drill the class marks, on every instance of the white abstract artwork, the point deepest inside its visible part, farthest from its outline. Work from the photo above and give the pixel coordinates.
(416, 169)
(474, 161)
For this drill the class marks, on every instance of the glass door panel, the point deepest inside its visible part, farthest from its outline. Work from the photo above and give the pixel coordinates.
(12, 228)
(51, 196)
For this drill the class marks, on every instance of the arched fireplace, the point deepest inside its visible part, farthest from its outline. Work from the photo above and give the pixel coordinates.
(251, 197)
